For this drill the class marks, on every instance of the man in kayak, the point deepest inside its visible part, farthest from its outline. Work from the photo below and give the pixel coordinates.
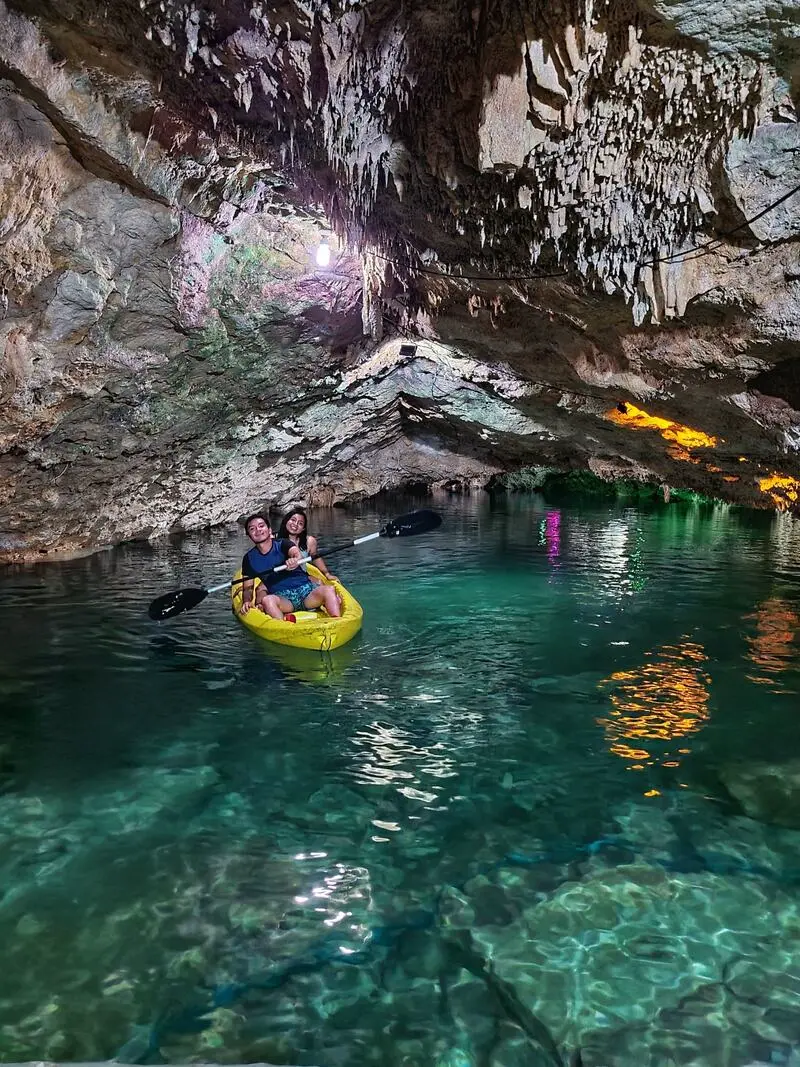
(288, 590)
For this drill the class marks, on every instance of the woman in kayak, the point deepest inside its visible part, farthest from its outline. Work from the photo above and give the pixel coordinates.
(288, 590)
(294, 527)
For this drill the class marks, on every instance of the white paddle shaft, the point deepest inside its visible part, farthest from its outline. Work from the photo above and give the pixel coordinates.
(272, 570)
(304, 559)
(217, 588)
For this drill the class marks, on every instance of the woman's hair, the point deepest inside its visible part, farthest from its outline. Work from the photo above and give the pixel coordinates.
(283, 532)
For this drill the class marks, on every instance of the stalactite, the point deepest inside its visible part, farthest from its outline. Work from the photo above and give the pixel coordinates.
(594, 155)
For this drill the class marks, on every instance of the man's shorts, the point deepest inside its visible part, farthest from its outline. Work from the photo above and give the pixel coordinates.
(297, 595)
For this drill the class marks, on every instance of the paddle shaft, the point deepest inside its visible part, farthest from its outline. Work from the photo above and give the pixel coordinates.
(171, 604)
(284, 567)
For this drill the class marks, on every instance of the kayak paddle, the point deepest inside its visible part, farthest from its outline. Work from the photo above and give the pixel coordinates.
(416, 522)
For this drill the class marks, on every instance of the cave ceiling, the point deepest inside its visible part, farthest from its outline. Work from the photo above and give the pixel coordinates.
(563, 235)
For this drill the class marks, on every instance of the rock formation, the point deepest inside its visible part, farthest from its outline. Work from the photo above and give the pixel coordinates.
(563, 235)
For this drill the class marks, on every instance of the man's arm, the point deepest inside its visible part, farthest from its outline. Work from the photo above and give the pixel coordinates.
(247, 596)
(293, 557)
(247, 586)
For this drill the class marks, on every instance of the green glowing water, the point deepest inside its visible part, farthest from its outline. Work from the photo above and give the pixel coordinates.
(544, 802)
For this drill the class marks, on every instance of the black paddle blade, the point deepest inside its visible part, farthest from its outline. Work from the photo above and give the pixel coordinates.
(171, 604)
(416, 522)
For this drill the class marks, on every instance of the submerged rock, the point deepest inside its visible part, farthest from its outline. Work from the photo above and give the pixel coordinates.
(515, 1049)
(766, 791)
(623, 946)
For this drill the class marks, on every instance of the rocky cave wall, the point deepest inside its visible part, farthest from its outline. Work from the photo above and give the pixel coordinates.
(541, 248)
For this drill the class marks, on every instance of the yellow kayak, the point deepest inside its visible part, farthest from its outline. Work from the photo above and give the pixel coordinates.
(313, 629)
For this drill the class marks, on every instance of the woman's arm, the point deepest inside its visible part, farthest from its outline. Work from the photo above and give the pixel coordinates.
(319, 562)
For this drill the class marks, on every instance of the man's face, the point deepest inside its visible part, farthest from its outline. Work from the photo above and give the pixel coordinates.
(259, 531)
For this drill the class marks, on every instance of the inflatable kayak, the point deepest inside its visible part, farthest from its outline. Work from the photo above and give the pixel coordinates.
(313, 629)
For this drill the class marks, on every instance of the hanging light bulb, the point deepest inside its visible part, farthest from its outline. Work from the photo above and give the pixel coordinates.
(323, 253)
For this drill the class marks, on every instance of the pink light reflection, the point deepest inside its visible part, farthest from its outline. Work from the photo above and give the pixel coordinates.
(552, 533)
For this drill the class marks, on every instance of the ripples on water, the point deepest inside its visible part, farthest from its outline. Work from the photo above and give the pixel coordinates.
(543, 751)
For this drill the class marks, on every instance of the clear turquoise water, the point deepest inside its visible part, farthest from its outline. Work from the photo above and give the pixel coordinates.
(528, 811)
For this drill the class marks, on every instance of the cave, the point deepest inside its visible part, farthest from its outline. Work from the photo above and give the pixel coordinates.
(562, 210)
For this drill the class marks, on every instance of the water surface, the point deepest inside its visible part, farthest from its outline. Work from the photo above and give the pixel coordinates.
(527, 811)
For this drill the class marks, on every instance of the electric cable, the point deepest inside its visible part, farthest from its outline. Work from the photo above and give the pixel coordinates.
(710, 246)
(704, 249)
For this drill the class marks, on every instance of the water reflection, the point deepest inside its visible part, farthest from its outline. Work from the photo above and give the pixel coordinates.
(656, 704)
(774, 645)
(612, 554)
(340, 893)
(785, 538)
(316, 667)
(552, 535)
(389, 755)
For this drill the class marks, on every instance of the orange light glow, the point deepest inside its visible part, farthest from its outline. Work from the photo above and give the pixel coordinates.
(684, 437)
(676, 452)
(783, 490)
(663, 700)
(773, 646)
(730, 478)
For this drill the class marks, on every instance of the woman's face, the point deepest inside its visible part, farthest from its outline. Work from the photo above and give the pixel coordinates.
(296, 523)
